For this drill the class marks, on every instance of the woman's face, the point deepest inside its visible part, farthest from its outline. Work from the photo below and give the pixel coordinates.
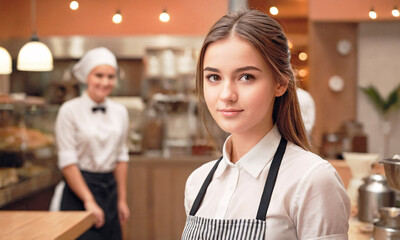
(101, 82)
(239, 87)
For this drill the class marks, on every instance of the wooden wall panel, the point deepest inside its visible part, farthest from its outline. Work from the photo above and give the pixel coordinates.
(156, 197)
(332, 108)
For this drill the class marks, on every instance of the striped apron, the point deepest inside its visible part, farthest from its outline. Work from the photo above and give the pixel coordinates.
(199, 228)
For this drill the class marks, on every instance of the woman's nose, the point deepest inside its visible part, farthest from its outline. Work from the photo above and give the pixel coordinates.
(104, 80)
(228, 92)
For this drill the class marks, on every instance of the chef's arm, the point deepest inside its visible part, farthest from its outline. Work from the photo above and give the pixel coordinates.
(120, 174)
(78, 185)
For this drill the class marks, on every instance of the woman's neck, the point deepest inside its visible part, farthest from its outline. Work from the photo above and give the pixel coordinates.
(243, 143)
(97, 100)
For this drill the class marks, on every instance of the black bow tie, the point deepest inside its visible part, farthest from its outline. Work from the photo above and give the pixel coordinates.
(101, 108)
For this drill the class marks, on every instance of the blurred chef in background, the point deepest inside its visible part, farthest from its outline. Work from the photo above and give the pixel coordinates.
(91, 133)
(307, 108)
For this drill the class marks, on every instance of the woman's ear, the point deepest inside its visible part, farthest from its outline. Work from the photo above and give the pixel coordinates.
(280, 90)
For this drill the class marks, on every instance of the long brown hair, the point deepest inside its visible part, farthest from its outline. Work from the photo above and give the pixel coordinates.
(267, 36)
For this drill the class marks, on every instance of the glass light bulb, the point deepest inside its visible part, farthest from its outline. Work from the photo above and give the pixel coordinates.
(273, 10)
(74, 5)
(395, 12)
(117, 18)
(164, 17)
(372, 14)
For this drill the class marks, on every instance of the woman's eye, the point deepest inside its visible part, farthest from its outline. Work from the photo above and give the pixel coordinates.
(212, 78)
(246, 77)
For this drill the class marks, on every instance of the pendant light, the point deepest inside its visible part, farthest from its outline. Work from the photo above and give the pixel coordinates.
(395, 12)
(34, 55)
(74, 5)
(274, 10)
(372, 14)
(164, 16)
(117, 18)
(5, 61)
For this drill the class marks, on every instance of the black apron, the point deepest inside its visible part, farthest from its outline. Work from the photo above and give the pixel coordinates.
(198, 228)
(104, 189)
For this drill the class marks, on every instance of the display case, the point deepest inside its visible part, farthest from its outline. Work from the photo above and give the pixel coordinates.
(26, 130)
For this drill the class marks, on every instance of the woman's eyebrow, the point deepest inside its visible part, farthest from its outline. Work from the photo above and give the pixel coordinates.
(211, 69)
(247, 68)
(242, 69)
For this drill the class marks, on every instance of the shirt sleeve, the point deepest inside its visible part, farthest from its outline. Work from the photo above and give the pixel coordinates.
(188, 199)
(65, 138)
(123, 151)
(322, 205)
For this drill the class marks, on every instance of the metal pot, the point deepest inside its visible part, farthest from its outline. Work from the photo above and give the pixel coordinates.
(384, 233)
(392, 172)
(390, 217)
(373, 195)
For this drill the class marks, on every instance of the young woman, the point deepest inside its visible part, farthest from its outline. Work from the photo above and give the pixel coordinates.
(267, 184)
(91, 133)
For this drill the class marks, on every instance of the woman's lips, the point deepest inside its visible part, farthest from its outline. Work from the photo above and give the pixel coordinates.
(230, 112)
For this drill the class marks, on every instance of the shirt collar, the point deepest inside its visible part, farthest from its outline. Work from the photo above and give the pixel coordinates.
(256, 159)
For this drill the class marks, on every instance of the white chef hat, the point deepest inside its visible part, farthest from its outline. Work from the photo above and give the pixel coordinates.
(92, 59)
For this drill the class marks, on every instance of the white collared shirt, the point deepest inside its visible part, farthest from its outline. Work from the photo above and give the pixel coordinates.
(94, 141)
(309, 200)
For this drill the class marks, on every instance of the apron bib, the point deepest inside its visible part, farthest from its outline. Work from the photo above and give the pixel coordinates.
(104, 189)
(199, 228)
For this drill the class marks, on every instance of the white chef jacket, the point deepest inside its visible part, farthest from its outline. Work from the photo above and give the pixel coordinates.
(94, 141)
(307, 108)
(308, 202)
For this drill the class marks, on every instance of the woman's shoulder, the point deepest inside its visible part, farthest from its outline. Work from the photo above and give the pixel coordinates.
(117, 106)
(70, 104)
(200, 174)
(298, 154)
(308, 163)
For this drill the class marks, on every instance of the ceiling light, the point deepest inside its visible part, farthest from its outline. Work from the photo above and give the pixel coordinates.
(74, 5)
(395, 12)
(274, 10)
(303, 72)
(290, 44)
(372, 14)
(117, 18)
(5, 61)
(303, 56)
(164, 16)
(34, 55)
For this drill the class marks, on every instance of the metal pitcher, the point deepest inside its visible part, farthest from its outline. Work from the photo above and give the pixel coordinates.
(373, 195)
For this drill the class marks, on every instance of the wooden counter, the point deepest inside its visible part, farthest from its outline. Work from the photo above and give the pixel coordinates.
(38, 225)
(359, 230)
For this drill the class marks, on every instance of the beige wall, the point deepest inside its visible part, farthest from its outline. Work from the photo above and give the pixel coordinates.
(378, 64)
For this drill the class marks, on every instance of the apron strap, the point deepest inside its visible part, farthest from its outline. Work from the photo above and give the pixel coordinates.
(203, 189)
(271, 179)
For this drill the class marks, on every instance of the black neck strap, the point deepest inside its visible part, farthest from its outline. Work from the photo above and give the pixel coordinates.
(203, 189)
(271, 179)
(268, 187)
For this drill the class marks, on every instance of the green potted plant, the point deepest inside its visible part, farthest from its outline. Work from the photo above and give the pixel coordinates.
(385, 107)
